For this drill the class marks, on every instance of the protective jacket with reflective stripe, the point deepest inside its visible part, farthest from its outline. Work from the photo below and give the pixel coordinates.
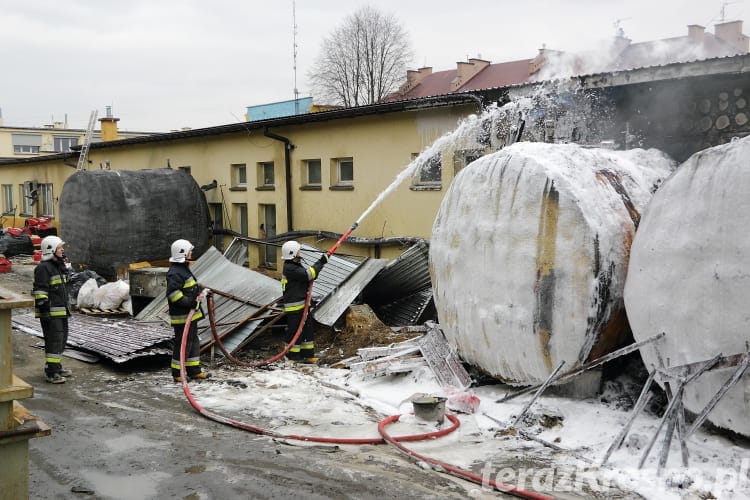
(295, 279)
(50, 290)
(182, 292)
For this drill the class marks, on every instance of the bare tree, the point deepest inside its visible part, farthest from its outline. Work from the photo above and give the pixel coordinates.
(362, 61)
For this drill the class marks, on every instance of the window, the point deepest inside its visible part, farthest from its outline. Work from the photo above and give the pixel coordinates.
(26, 143)
(239, 176)
(311, 174)
(63, 144)
(344, 171)
(463, 157)
(241, 211)
(267, 229)
(8, 207)
(45, 200)
(37, 199)
(430, 172)
(266, 176)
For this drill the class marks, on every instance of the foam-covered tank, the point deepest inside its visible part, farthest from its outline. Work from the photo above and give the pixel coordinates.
(111, 218)
(529, 250)
(689, 276)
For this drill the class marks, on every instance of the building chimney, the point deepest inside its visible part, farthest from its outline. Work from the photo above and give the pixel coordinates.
(465, 71)
(731, 33)
(109, 126)
(696, 33)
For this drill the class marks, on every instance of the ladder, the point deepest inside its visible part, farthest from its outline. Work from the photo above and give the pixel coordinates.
(87, 141)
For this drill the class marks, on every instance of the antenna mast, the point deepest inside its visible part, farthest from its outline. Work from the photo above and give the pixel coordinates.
(294, 65)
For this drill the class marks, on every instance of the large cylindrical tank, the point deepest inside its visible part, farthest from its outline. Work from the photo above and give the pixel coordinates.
(528, 255)
(111, 218)
(689, 275)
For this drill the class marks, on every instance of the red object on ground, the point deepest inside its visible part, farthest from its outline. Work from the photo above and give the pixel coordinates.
(14, 231)
(36, 240)
(5, 265)
(37, 255)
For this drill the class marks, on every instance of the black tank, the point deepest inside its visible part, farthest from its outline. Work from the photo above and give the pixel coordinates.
(112, 218)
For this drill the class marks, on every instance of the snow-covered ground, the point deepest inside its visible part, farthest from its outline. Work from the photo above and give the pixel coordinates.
(317, 401)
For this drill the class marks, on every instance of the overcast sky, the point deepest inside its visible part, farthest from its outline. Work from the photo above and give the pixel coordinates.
(167, 64)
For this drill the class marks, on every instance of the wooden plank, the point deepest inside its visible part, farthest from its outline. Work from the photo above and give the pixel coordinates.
(443, 359)
(18, 389)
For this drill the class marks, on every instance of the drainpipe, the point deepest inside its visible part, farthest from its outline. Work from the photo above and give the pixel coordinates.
(288, 146)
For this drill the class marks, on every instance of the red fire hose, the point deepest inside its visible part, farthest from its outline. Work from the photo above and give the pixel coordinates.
(385, 437)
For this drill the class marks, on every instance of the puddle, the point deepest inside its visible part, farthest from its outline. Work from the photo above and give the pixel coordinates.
(130, 442)
(130, 487)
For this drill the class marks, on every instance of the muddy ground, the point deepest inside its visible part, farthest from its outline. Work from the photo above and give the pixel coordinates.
(118, 434)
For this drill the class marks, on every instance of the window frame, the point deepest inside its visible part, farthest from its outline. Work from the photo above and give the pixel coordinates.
(59, 141)
(263, 168)
(239, 177)
(8, 207)
(339, 163)
(307, 166)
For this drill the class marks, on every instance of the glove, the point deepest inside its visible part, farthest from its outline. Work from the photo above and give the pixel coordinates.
(207, 292)
(324, 258)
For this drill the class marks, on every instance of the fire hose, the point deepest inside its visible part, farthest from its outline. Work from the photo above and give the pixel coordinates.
(385, 437)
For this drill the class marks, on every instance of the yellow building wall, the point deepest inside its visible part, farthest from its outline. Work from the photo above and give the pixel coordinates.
(381, 147)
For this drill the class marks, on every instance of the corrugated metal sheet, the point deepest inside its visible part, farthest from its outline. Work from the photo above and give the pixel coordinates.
(117, 339)
(401, 293)
(412, 309)
(338, 302)
(408, 273)
(240, 294)
(335, 272)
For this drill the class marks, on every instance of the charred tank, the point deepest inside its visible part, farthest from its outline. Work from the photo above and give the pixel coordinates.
(111, 218)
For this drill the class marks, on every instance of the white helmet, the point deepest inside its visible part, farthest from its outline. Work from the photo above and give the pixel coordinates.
(49, 246)
(289, 250)
(180, 249)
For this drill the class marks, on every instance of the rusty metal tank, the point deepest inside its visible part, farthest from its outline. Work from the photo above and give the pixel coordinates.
(689, 276)
(528, 255)
(111, 218)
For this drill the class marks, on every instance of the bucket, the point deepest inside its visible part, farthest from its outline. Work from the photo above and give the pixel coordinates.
(430, 408)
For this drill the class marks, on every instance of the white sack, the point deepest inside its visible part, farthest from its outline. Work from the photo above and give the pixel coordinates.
(87, 295)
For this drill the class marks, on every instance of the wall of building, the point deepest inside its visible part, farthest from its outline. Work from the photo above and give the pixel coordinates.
(381, 146)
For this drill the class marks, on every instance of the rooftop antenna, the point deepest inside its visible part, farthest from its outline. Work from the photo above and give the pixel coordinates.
(724, 10)
(294, 65)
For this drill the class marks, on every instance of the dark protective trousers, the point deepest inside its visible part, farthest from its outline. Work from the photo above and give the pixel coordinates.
(305, 345)
(192, 350)
(55, 332)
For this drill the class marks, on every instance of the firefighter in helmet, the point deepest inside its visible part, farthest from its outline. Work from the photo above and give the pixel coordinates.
(183, 294)
(51, 306)
(295, 280)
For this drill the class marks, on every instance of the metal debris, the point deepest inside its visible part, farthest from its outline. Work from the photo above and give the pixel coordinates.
(434, 350)
(119, 340)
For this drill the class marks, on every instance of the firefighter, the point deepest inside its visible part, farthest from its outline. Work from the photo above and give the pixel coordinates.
(183, 294)
(295, 280)
(51, 306)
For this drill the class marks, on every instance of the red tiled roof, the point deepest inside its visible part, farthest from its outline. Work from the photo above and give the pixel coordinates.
(500, 75)
(494, 75)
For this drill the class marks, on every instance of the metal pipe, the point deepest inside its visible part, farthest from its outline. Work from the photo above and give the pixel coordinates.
(288, 146)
